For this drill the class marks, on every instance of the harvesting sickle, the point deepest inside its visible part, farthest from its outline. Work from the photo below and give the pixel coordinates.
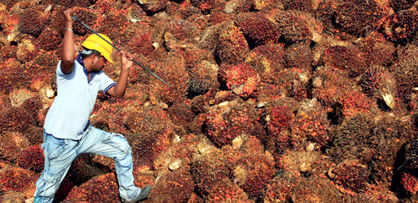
(142, 66)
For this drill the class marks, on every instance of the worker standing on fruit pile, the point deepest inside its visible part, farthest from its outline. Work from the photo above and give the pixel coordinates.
(67, 130)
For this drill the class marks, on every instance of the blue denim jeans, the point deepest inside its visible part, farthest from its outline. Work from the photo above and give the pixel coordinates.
(60, 153)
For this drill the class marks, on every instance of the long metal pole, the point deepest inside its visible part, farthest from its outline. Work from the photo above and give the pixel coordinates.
(142, 66)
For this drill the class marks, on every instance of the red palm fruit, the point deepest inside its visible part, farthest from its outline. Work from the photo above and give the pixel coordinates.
(258, 29)
(49, 39)
(226, 191)
(153, 6)
(401, 4)
(355, 102)
(253, 172)
(102, 188)
(351, 175)
(232, 46)
(314, 189)
(208, 169)
(268, 60)
(400, 27)
(357, 16)
(299, 56)
(406, 74)
(12, 144)
(281, 187)
(33, 20)
(241, 78)
(16, 179)
(377, 49)
(294, 26)
(226, 121)
(409, 183)
(173, 70)
(172, 186)
(348, 58)
(301, 5)
(32, 158)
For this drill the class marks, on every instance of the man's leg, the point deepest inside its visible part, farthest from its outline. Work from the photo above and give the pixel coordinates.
(59, 154)
(117, 147)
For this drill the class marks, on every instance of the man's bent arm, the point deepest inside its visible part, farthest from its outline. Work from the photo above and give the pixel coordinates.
(67, 55)
(119, 89)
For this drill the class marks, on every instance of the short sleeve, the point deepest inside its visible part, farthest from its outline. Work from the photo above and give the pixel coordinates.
(105, 82)
(62, 75)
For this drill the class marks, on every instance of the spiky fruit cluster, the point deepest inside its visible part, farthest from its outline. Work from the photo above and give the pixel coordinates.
(33, 106)
(348, 58)
(141, 41)
(16, 179)
(226, 191)
(16, 119)
(409, 183)
(172, 186)
(400, 26)
(173, 71)
(71, 3)
(316, 189)
(8, 51)
(406, 73)
(241, 147)
(378, 82)
(401, 4)
(258, 29)
(327, 85)
(302, 5)
(102, 188)
(85, 15)
(293, 26)
(351, 175)
(357, 16)
(355, 102)
(113, 25)
(294, 82)
(228, 120)
(350, 139)
(310, 123)
(387, 138)
(182, 29)
(268, 60)
(377, 49)
(281, 187)
(26, 50)
(242, 78)
(32, 158)
(232, 46)
(150, 136)
(298, 55)
(208, 169)
(203, 77)
(411, 155)
(12, 144)
(153, 6)
(49, 39)
(253, 172)
(33, 21)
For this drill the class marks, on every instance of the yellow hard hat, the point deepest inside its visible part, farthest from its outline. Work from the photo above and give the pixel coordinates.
(94, 42)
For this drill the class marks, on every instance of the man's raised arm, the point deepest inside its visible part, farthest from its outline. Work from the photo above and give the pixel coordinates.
(67, 54)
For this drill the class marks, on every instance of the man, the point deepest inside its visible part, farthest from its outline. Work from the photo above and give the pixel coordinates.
(67, 130)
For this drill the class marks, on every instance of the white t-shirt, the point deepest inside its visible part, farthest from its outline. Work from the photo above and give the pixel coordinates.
(69, 113)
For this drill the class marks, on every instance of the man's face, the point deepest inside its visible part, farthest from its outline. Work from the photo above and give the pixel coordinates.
(100, 63)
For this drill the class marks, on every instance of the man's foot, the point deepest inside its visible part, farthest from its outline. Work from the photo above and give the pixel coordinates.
(142, 195)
